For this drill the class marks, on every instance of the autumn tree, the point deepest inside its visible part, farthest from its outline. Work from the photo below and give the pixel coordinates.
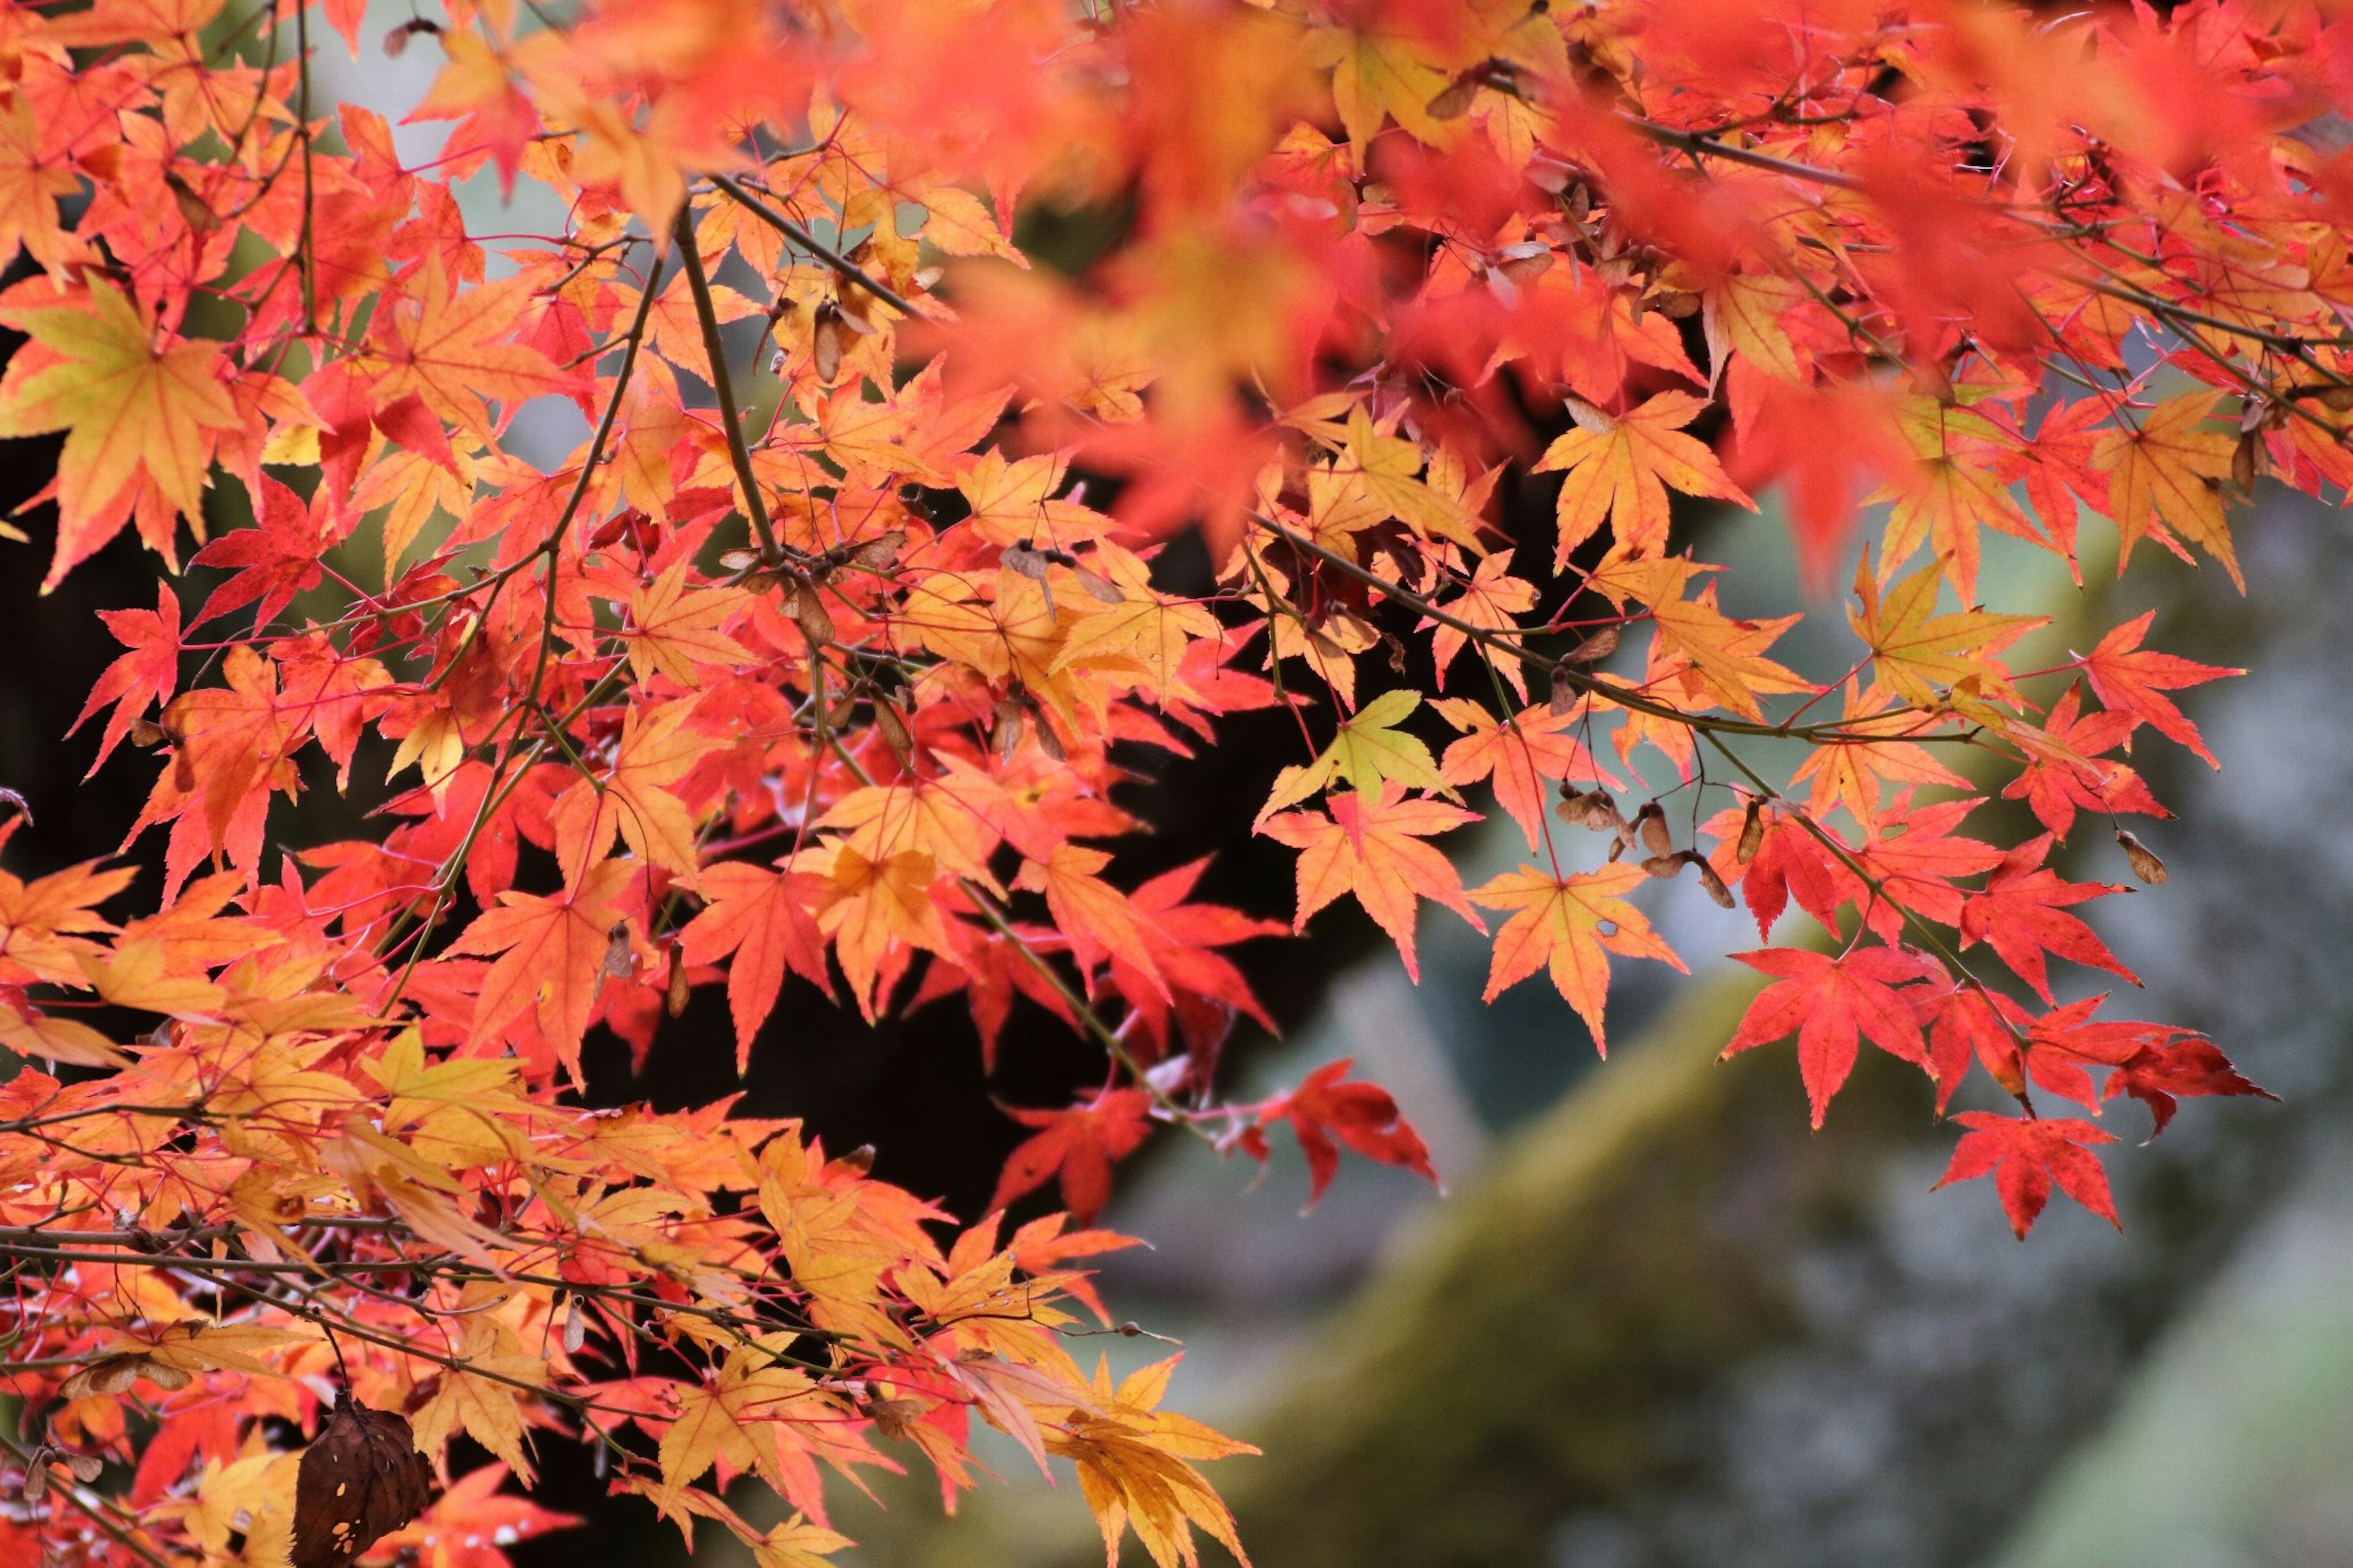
(821, 658)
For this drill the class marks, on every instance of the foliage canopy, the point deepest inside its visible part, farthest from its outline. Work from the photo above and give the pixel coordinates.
(822, 662)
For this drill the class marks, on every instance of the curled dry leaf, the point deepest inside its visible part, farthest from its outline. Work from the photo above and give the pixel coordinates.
(361, 1478)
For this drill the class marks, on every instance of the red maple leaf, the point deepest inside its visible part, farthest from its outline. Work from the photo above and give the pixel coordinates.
(2130, 678)
(1325, 1113)
(2024, 1156)
(276, 559)
(1830, 1005)
(2161, 1071)
(148, 673)
(2022, 914)
(1080, 1142)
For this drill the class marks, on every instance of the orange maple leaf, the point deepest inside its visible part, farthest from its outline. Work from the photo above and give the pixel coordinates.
(1371, 847)
(550, 956)
(1568, 926)
(1618, 469)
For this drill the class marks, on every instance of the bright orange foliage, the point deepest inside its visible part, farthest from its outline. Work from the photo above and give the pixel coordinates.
(829, 658)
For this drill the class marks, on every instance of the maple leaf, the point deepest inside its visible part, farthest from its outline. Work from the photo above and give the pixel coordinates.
(1100, 921)
(2022, 914)
(1369, 753)
(762, 918)
(2130, 678)
(1831, 1005)
(1915, 651)
(1080, 1143)
(275, 560)
(1325, 1113)
(1490, 600)
(673, 629)
(632, 799)
(1371, 847)
(1568, 926)
(444, 346)
(133, 410)
(469, 1523)
(2024, 1156)
(2160, 1073)
(1617, 468)
(2066, 771)
(2163, 462)
(550, 956)
(1132, 1471)
(1727, 655)
(149, 673)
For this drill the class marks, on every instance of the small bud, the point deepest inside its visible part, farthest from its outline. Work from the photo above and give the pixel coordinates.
(2144, 863)
(1453, 102)
(194, 211)
(1590, 808)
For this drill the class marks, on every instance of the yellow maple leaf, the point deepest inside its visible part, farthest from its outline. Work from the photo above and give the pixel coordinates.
(131, 409)
(1618, 469)
(2169, 465)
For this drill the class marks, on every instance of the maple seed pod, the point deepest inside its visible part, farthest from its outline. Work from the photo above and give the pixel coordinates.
(2144, 863)
(1752, 833)
(894, 732)
(194, 211)
(2339, 399)
(878, 552)
(1663, 867)
(1594, 648)
(1564, 690)
(1650, 822)
(618, 965)
(816, 622)
(829, 336)
(860, 1159)
(1005, 738)
(575, 1326)
(676, 991)
(1709, 880)
(1453, 102)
